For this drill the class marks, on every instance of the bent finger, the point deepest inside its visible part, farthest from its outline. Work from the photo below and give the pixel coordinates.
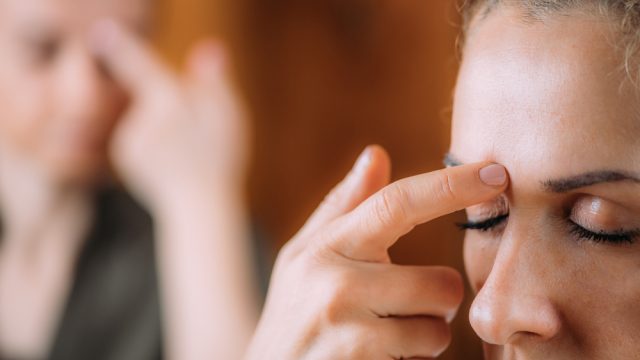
(407, 291)
(417, 337)
(370, 173)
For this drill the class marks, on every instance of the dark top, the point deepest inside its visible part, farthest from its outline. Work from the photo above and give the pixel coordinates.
(113, 310)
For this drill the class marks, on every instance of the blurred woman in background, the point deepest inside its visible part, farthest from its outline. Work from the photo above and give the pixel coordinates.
(83, 102)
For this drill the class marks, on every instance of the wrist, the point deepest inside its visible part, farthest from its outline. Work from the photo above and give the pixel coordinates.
(197, 195)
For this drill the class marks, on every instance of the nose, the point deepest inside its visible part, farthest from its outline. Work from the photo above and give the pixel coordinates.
(514, 303)
(82, 86)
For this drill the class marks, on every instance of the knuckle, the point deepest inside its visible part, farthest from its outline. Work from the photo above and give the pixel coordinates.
(445, 189)
(359, 340)
(336, 296)
(451, 286)
(390, 206)
(299, 260)
(307, 247)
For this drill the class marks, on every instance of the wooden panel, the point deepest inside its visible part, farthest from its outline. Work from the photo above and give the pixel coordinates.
(324, 78)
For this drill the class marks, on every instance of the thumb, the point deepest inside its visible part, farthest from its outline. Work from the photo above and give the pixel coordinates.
(370, 173)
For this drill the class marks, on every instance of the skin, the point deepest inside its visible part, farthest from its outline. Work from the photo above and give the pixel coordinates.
(58, 110)
(193, 184)
(104, 102)
(44, 54)
(548, 100)
(335, 294)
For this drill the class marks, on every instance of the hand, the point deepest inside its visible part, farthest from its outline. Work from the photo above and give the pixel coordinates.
(181, 149)
(335, 293)
(181, 133)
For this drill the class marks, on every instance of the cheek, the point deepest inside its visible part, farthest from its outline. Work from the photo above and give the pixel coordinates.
(602, 292)
(597, 291)
(24, 105)
(479, 256)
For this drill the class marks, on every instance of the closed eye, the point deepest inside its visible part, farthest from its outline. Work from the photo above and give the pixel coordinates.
(615, 238)
(484, 225)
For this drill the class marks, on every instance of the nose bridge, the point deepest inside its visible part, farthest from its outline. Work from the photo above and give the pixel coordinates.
(80, 82)
(514, 298)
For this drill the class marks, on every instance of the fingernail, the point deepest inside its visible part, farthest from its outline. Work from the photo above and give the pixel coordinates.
(103, 36)
(363, 161)
(493, 175)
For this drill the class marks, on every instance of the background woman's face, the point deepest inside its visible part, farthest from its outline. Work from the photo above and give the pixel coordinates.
(57, 105)
(556, 266)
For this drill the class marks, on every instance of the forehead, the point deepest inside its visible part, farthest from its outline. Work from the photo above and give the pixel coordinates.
(550, 92)
(73, 14)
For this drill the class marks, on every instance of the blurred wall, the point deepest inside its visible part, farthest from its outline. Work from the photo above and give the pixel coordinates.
(324, 78)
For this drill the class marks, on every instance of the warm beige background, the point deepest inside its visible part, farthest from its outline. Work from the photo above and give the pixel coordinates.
(324, 78)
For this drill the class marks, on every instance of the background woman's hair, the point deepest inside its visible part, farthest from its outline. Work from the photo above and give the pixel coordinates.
(624, 15)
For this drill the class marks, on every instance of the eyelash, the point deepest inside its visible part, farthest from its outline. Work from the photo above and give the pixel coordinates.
(484, 226)
(621, 237)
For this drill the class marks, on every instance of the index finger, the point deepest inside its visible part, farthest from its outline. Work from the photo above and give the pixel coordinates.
(368, 231)
(129, 59)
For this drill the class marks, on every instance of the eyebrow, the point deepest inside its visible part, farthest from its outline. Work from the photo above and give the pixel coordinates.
(588, 179)
(567, 184)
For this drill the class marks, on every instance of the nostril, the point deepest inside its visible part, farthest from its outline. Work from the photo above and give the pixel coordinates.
(525, 336)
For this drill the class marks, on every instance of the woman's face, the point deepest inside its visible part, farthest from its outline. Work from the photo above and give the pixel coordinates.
(57, 105)
(555, 261)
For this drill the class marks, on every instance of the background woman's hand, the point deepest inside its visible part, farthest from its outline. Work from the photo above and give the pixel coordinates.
(181, 149)
(335, 293)
(181, 132)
